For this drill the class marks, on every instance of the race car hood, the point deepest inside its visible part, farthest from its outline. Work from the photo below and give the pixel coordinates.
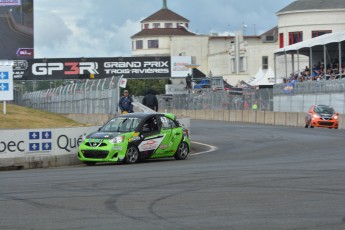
(326, 115)
(102, 135)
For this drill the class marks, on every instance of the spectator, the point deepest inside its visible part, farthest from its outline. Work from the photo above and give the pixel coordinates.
(150, 100)
(189, 82)
(125, 103)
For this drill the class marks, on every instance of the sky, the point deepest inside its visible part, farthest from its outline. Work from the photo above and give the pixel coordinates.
(102, 28)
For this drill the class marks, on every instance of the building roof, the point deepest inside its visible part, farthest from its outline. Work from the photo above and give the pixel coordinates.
(165, 14)
(273, 31)
(301, 5)
(163, 32)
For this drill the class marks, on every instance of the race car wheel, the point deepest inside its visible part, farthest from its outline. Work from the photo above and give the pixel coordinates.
(182, 151)
(132, 155)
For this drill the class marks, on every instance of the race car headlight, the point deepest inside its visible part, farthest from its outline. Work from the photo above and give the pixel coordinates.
(335, 117)
(117, 140)
(316, 116)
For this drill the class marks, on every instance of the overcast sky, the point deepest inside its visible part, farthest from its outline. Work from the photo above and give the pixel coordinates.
(102, 28)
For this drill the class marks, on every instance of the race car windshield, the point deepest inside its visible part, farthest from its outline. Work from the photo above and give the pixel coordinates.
(121, 124)
(327, 110)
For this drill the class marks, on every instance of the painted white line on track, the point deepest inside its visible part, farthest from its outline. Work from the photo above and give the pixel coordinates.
(211, 148)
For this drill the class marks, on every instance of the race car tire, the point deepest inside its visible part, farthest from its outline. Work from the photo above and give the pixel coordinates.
(132, 155)
(89, 163)
(182, 151)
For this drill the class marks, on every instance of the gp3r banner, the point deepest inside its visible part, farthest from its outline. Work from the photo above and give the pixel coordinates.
(92, 68)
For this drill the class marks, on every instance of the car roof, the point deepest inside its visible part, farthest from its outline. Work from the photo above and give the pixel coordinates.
(146, 114)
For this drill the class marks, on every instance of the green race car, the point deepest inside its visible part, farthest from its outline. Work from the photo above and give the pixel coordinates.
(134, 137)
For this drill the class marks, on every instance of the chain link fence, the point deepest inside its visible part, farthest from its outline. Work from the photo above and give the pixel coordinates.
(299, 96)
(91, 96)
(101, 97)
(221, 100)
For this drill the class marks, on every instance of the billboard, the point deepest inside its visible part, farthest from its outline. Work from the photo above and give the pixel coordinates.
(96, 68)
(16, 26)
(179, 66)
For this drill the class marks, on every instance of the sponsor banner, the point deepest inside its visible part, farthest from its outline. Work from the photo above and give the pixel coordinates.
(52, 141)
(6, 83)
(179, 66)
(84, 68)
(10, 2)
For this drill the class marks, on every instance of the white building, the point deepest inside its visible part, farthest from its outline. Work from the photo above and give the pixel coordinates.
(303, 20)
(165, 33)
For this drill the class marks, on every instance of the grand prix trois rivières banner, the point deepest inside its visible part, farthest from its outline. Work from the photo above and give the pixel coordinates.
(92, 68)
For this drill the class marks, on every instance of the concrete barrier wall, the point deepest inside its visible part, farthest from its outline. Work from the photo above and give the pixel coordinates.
(249, 116)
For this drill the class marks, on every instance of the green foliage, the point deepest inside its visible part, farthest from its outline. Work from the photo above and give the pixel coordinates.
(139, 87)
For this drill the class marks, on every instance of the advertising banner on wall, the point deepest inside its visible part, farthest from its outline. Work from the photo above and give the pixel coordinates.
(83, 68)
(38, 141)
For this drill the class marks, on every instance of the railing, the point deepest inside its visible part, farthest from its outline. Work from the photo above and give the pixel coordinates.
(100, 97)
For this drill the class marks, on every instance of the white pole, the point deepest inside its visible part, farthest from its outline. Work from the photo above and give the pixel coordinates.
(4, 107)
(118, 94)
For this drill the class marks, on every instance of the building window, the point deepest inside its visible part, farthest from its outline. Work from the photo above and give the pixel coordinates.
(265, 62)
(168, 25)
(139, 44)
(295, 37)
(146, 26)
(281, 40)
(233, 65)
(152, 44)
(319, 33)
(156, 25)
(242, 64)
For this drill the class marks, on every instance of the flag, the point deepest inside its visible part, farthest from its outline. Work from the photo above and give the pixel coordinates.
(123, 82)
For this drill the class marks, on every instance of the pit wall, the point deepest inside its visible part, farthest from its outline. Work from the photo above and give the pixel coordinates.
(295, 119)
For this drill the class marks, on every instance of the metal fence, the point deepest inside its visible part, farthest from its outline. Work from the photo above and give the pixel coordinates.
(101, 97)
(220, 100)
(298, 97)
(91, 96)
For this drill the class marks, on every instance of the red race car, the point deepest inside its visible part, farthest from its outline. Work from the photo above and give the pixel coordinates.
(321, 116)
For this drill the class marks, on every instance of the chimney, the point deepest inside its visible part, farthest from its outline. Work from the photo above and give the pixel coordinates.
(165, 5)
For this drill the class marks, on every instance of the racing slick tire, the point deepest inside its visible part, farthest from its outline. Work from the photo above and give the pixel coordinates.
(182, 151)
(132, 155)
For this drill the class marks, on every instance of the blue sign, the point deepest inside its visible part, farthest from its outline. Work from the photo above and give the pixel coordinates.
(40, 141)
(47, 135)
(46, 146)
(4, 87)
(34, 147)
(34, 135)
(3, 75)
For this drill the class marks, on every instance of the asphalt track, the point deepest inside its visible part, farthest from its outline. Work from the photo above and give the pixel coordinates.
(255, 177)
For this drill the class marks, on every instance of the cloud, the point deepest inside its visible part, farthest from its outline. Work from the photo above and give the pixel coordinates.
(102, 28)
